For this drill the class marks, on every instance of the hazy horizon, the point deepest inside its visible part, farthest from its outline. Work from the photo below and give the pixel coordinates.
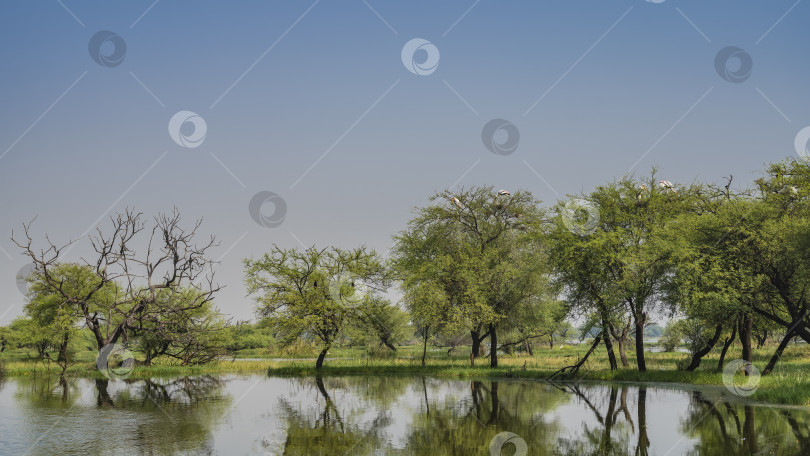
(315, 102)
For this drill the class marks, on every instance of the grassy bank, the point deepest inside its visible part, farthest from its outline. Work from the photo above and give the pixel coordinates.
(788, 384)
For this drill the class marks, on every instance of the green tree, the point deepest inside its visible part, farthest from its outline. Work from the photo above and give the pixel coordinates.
(619, 266)
(471, 258)
(315, 291)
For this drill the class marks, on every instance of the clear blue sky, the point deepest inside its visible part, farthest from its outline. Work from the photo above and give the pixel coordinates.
(311, 101)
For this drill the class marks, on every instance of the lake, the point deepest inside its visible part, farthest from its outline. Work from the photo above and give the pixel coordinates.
(385, 415)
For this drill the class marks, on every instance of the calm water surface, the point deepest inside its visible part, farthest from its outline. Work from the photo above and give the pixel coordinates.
(260, 415)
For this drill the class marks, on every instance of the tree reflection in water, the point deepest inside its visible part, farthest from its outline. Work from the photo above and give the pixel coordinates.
(182, 414)
(386, 415)
(607, 420)
(722, 427)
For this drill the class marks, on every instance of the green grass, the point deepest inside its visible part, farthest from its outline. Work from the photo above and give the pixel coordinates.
(788, 384)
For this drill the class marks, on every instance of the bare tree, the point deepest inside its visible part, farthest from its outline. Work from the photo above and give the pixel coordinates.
(129, 281)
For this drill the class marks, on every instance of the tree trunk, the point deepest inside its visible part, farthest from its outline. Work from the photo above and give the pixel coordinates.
(609, 347)
(745, 340)
(62, 358)
(476, 342)
(319, 363)
(621, 341)
(569, 371)
(529, 348)
(640, 362)
(608, 342)
(778, 353)
(698, 356)
(424, 346)
(493, 339)
(726, 345)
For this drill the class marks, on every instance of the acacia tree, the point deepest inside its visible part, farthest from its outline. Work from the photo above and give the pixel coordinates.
(315, 292)
(618, 267)
(474, 249)
(121, 294)
(193, 336)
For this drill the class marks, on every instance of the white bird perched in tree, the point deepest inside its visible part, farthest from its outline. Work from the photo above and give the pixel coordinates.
(642, 189)
(667, 185)
(500, 193)
(457, 202)
(794, 190)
